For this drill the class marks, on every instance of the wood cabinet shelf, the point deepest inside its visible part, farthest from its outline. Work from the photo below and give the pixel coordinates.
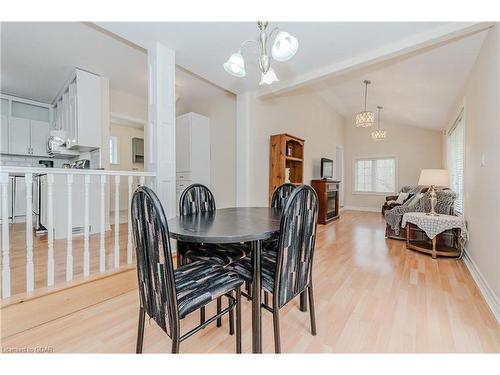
(286, 153)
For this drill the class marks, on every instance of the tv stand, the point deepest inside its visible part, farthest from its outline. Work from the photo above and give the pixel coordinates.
(328, 199)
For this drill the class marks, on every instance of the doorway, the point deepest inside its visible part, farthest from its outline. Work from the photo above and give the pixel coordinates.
(339, 171)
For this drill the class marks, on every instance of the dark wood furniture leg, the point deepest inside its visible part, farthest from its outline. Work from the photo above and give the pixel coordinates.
(256, 296)
(303, 301)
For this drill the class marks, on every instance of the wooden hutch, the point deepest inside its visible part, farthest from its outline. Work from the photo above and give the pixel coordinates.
(286, 152)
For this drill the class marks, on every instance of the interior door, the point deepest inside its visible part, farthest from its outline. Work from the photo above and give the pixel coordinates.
(19, 136)
(339, 172)
(39, 134)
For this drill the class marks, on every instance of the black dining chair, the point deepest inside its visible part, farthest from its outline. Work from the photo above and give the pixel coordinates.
(291, 274)
(168, 295)
(198, 198)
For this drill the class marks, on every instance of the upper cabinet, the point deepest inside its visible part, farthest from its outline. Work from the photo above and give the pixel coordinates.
(78, 111)
(25, 127)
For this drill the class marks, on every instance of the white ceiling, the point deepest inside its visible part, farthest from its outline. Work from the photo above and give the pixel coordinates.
(202, 47)
(38, 57)
(420, 90)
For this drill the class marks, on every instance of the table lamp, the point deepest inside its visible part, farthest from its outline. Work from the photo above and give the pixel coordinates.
(433, 178)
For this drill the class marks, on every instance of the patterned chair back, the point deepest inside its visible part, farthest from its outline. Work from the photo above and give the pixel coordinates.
(155, 269)
(281, 195)
(296, 244)
(196, 198)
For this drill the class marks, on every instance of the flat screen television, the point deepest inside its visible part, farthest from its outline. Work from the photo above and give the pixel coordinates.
(326, 168)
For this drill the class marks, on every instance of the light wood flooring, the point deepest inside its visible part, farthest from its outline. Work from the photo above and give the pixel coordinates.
(372, 295)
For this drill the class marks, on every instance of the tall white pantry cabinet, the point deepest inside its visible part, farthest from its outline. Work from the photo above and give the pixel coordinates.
(192, 149)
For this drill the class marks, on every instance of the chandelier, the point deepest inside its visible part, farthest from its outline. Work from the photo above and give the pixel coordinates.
(378, 135)
(283, 48)
(366, 118)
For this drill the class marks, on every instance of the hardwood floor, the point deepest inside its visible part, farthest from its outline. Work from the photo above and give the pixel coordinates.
(372, 295)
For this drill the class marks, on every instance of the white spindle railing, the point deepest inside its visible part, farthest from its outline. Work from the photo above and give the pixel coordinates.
(94, 214)
(86, 229)
(102, 249)
(50, 229)
(69, 233)
(30, 270)
(117, 222)
(4, 181)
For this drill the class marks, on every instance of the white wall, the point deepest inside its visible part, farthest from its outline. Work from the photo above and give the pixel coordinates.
(302, 114)
(221, 110)
(414, 148)
(482, 182)
(127, 104)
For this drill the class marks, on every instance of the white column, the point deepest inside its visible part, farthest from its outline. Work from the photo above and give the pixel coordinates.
(86, 253)
(4, 182)
(244, 119)
(69, 230)
(117, 222)
(102, 249)
(30, 283)
(129, 220)
(50, 230)
(160, 129)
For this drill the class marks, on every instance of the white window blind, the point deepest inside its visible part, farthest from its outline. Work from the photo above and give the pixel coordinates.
(113, 149)
(455, 160)
(377, 175)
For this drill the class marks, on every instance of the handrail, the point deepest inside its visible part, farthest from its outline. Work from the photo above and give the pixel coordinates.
(96, 172)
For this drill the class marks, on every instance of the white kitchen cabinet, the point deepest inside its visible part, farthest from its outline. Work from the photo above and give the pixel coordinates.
(28, 137)
(79, 111)
(40, 132)
(192, 146)
(19, 136)
(4, 134)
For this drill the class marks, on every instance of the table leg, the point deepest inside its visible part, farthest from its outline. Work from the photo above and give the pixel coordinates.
(256, 310)
(434, 255)
(407, 235)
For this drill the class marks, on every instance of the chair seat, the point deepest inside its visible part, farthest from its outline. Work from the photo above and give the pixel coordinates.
(199, 283)
(222, 254)
(244, 268)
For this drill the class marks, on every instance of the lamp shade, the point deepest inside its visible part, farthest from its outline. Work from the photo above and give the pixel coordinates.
(235, 65)
(285, 46)
(433, 177)
(268, 77)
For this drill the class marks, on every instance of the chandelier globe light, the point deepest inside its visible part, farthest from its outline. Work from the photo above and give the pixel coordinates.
(379, 134)
(365, 118)
(283, 48)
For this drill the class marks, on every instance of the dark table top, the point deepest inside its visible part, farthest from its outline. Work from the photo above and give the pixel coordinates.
(226, 225)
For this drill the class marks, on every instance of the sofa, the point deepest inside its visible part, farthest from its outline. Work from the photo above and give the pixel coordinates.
(418, 203)
(391, 200)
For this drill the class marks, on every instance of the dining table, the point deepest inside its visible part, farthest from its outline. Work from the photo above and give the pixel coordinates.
(251, 225)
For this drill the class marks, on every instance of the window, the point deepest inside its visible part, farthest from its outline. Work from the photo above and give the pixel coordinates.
(113, 149)
(455, 160)
(377, 175)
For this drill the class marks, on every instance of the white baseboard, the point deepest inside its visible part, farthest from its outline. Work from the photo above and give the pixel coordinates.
(358, 208)
(489, 295)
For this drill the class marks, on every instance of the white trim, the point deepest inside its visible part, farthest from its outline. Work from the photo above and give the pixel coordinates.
(488, 294)
(359, 208)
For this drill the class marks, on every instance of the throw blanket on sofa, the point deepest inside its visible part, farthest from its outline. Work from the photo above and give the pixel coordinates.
(445, 202)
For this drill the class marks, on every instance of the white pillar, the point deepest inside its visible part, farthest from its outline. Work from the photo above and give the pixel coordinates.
(159, 133)
(244, 120)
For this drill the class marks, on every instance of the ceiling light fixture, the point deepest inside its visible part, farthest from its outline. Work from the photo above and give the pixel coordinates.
(284, 47)
(378, 135)
(366, 118)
